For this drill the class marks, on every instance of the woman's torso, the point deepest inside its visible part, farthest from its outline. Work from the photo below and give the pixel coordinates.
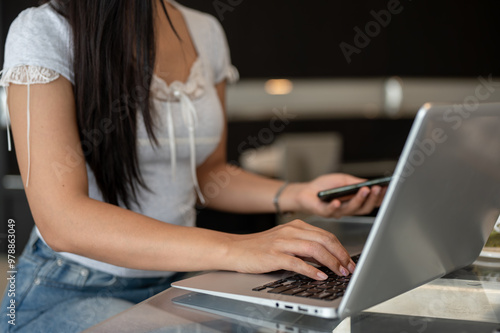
(170, 196)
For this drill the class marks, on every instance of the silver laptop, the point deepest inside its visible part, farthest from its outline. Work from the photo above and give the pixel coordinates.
(439, 209)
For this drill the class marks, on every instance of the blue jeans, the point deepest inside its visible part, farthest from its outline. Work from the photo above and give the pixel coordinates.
(53, 294)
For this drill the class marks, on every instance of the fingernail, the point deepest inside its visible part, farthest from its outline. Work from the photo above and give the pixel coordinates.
(343, 271)
(351, 267)
(322, 276)
(376, 190)
(365, 193)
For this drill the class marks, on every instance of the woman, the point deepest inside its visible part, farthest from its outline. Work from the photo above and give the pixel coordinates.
(117, 112)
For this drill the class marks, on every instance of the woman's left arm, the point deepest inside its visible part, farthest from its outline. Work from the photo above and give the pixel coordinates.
(229, 188)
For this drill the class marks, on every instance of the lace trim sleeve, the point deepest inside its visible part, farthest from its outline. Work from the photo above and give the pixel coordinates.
(28, 75)
(25, 75)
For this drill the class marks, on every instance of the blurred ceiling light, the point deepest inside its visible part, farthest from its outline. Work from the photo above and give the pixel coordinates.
(278, 87)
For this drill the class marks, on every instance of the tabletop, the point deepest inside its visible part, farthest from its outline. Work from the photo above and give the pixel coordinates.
(467, 300)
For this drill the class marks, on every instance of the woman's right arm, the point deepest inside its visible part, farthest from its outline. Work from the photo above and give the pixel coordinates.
(72, 222)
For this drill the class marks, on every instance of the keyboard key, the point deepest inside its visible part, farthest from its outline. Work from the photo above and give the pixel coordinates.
(259, 288)
(331, 298)
(323, 286)
(279, 290)
(300, 285)
(314, 283)
(293, 291)
(314, 290)
(333, 290)
(321, 295)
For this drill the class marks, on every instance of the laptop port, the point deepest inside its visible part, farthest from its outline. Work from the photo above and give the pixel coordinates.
(288, 307)
(302, 309)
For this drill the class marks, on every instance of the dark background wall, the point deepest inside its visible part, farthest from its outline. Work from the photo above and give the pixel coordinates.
(291, 38)
(298, 38)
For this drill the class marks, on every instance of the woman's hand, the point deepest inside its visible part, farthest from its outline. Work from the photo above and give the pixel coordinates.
(284, 246)
(303, 197)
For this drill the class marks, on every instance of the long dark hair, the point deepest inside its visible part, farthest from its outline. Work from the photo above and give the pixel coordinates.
(114, 57)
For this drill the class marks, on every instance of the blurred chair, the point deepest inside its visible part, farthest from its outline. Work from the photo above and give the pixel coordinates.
(296, 157)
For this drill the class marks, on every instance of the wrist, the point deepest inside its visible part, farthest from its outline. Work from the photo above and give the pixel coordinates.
(235, 253)
(224, 257)
(289, 198)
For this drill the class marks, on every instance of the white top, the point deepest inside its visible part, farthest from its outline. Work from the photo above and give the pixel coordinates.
(190, 116)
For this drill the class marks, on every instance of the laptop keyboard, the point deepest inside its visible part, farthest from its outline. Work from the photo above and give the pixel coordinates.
(302, 286)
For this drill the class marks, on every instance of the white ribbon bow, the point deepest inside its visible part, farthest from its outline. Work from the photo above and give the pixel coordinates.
(190, 118)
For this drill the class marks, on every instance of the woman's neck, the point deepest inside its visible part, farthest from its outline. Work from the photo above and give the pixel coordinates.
(175, 53)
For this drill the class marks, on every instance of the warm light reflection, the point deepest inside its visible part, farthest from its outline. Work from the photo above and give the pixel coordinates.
(278, 86)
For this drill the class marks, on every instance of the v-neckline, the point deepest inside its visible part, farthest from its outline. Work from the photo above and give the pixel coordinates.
(191, 75)
(195, 63)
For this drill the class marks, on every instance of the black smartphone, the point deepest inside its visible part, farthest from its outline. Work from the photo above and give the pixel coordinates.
(349, 190)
